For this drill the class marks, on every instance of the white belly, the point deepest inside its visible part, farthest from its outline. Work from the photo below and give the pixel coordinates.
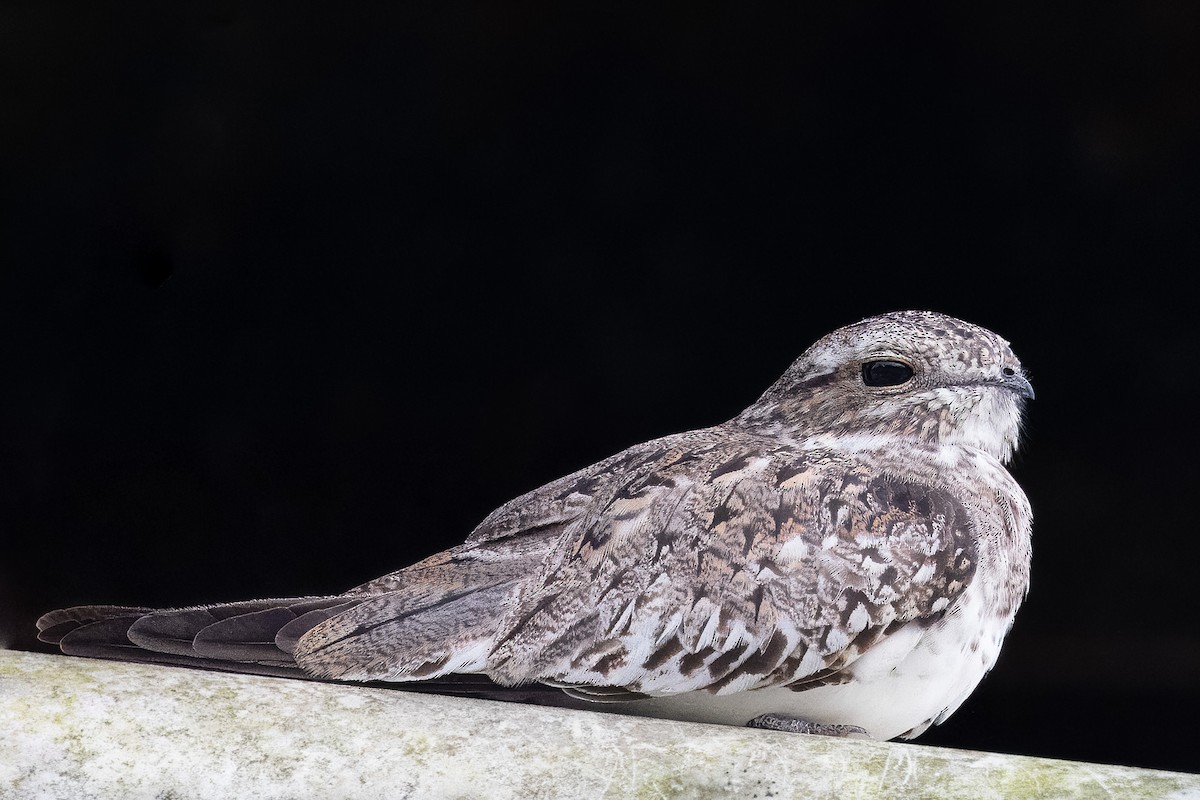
(915, 678)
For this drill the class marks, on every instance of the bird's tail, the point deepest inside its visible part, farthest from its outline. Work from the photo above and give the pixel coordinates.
(434, 619)
(257, 636)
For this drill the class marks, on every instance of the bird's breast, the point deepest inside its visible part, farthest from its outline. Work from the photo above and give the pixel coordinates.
(916, 677)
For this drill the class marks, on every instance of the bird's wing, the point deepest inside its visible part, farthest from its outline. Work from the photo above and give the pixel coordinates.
(404, 623)
(440, 615)
(740, 568)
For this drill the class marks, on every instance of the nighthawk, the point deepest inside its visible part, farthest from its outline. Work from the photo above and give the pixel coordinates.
(845, 557)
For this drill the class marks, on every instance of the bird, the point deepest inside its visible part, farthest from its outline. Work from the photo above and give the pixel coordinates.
(844, 557)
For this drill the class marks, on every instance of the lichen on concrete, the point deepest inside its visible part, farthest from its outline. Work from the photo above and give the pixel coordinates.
(84, 729)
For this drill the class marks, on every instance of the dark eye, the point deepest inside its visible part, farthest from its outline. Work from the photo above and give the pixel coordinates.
(886, 373)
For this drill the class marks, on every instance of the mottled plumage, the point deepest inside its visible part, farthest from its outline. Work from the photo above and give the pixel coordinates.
(848, 551)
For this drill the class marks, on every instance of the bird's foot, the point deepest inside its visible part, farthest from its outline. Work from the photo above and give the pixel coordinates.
(782, 722)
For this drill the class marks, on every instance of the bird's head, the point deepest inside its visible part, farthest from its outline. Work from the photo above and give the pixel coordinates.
(914, 374)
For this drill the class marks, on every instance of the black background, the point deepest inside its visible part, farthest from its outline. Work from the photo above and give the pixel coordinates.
(291, 298)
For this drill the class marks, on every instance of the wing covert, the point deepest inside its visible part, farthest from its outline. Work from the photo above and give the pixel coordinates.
(746, 569)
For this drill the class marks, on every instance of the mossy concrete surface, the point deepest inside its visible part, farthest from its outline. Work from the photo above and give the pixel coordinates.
(80, 728)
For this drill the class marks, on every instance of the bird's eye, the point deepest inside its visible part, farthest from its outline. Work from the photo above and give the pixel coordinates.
(886, 373)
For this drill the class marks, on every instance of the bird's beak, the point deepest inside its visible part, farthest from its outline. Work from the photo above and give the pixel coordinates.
(1019, 384)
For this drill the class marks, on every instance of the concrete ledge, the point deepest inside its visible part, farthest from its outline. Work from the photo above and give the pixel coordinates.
(81, 728)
